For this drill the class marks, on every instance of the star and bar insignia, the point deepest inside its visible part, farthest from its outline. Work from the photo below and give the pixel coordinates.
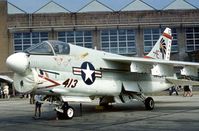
(87, 72)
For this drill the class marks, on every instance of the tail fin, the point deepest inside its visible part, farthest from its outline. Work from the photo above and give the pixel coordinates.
(162, 48)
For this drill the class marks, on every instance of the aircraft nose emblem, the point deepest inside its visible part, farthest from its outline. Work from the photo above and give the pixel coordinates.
(87, 72)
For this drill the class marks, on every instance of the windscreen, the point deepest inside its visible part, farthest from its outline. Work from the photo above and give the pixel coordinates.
(49, 48)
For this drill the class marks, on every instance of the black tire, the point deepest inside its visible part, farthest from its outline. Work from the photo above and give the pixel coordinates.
(69, 112)
(60, 116)
(149, 103)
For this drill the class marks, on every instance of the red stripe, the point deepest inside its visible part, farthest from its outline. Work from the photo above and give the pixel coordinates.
(77, 70)
(148, 57)
(98, 73)
(167, 35)
(54, 82)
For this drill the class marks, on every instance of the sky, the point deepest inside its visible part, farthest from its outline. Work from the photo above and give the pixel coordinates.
(31, 6)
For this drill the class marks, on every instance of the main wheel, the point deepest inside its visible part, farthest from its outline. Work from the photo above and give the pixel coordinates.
(149, 103)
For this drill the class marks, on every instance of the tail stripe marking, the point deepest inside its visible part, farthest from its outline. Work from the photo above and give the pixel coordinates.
(167, 36)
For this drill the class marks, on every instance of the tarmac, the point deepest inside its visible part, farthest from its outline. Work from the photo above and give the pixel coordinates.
(170, 113)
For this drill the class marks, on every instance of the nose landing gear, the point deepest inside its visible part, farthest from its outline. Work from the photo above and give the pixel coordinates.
(65, 112)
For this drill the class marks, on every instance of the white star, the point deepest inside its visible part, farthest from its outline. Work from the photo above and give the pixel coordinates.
(88, 73)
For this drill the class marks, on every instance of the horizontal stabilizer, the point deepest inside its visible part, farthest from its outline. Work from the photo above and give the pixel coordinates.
(75, 99)
(182, 82)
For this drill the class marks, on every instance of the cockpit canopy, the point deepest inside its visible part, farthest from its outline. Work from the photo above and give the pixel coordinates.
(51, 47)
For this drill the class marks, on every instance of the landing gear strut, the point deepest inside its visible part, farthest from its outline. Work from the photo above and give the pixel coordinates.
(65, 112)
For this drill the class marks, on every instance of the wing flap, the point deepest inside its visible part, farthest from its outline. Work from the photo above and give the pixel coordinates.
(189, 71)
(182, 82)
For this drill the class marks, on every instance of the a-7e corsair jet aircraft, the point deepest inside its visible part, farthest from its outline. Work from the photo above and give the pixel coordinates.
(73, 73)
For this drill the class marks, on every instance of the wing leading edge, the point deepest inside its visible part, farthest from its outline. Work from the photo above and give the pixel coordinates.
(156, 67)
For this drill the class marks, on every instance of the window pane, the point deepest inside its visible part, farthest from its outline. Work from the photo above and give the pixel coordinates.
(26, 39)
(88, 45)
(113, 38)
(130, 32)
(116, 41)
(79, 33)
(17, 42)
(156, 37)
(62, 39)
(17, 35)
(122, 32)
(61, 34)
(88, 39)
(131, 44)
(105, 44)
(70, 34)
(147, 31)
(147, 37)
(70, 40)
(80, 38)
(35, 34)
(148, 43)
(104, 32)
(122, 44)
(105, 38)
(26, 35)
(113, 32)
(122, 38)
(113, 44)
(189, 36)
(130, 38)
(44, 34)
(87, 33)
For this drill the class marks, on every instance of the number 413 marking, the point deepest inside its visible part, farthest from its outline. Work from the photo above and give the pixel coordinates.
(70, 83)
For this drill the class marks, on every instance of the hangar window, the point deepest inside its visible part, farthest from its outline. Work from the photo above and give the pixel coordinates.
(23, 40)
(80, 38)
(152, 35)
(192, 39)
(119, 41)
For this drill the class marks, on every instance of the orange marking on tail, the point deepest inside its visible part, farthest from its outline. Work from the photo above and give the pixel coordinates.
(167, 36)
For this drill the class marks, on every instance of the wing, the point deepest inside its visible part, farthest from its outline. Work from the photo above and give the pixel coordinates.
(156, 67)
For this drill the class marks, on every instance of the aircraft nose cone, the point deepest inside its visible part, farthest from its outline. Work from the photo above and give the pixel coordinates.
(18, 62)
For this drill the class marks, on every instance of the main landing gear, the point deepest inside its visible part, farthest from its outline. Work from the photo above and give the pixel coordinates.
(148, 101)
(65, 111)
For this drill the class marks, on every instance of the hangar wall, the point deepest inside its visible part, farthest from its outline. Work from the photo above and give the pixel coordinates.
(3, 36)
(108, 20)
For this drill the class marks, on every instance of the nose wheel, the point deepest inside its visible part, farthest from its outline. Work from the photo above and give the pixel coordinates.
(69, 113)
(66, 112)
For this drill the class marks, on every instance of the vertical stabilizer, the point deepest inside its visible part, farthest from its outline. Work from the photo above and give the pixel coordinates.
(162, 48)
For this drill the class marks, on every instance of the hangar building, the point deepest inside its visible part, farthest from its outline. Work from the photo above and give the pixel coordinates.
(126, 27)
